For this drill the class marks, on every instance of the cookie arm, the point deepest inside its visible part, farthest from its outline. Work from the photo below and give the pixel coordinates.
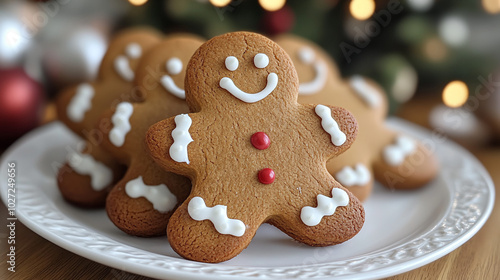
(338, 128)
(170, 142)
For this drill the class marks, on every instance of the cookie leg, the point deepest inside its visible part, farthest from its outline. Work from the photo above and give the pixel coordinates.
(143, 201)
(86, 178)
(216, 235)
(406, 170)
(342, 225)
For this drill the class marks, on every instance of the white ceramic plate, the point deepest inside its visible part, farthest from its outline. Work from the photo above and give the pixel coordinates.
(403, 230)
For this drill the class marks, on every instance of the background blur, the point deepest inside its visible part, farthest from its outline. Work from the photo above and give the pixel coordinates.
(438, 60)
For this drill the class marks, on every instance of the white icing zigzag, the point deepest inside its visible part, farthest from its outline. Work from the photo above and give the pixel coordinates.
(349, 177)
(160, 196)
(330, 125)
(84, 164)
(121, 123)
(395, 154)
(198, 210)
(365, 91)
(80, 103)
(178, 151)
(311, 216)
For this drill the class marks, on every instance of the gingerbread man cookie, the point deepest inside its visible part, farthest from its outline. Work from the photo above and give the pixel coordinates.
(396, 160)
(142, 201)
(89, 172)
(253, 153)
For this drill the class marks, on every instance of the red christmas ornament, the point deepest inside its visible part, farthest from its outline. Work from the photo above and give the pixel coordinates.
(280, 21)
(266, 176)
(260, 140)
(21, 103)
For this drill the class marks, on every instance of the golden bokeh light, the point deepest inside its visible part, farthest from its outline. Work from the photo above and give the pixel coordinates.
(491, 6)
(435, 49)
(138, 2)
(272, 5)
(362, 9)
(220, 3)
(455, 94)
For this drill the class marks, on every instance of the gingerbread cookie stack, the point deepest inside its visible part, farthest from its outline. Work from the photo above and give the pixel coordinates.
(142, 201)
(90, 171)
(394, 159)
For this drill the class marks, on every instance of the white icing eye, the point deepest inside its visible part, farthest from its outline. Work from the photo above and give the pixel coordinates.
(133, 50)
(306, 55)
(261, 60)
(174, 66)
(232, 63)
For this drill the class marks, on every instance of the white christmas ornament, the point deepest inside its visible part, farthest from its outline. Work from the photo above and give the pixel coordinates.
(14, 41)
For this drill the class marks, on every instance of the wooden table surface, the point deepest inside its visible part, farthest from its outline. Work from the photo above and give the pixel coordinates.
(479, 258)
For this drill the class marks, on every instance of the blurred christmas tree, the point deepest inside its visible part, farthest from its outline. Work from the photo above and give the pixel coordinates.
(408, 46)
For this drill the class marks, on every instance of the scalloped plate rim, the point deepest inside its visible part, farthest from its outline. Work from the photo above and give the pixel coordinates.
(159, 272)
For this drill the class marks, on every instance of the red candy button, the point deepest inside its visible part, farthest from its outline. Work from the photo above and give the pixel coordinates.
(266, 176)
(260, 140)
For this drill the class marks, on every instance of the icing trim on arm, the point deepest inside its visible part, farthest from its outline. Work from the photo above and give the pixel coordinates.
(396, 153)
(365, 91)
(311, 216)
(330, 125)
(80, 103)
(178, 151)
(160, 196)
(121, 123)
(199, 211)
(100, 175)
(357, 176)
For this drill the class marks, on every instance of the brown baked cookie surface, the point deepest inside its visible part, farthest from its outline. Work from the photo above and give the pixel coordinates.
(394, 159)
(253, 153)
(142, 202)
(86, 178)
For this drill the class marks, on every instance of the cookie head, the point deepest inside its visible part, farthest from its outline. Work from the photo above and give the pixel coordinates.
(163, 69)
(240, 68)
(125, 52)
(314, 67)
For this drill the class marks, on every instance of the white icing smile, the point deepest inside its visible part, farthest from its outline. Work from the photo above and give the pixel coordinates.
(174, 67)
(307, 56)
(122, 64)
(260, 61)
(366, 92)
